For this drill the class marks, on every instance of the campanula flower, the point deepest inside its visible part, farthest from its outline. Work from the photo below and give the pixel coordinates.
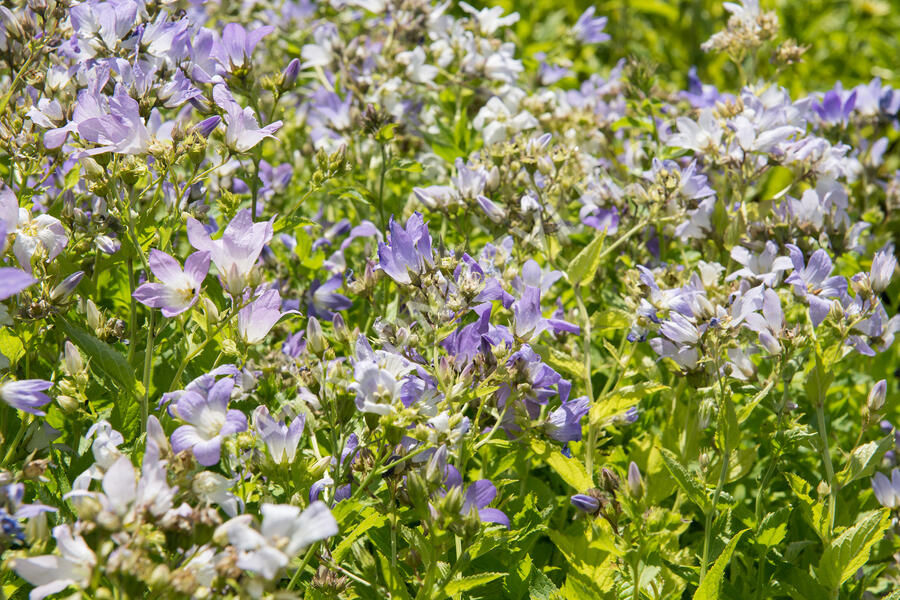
(280, 439)
(52, 573)
(178, 289)
(26, 394)
(236, 252)
(408, 252)
(208, 422)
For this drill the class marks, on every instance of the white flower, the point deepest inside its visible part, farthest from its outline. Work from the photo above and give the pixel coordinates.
(44, 233)
(284, 532)
(51, 573)
(497, 121)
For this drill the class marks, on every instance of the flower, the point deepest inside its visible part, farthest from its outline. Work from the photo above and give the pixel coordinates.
(26, 395)
(257, 318)
(883, 266)
(529, 323)
(589, 29)
(564, 423)
(477, 497)
(280, 439)
(236, 252)
(812, 282)
(887, 491)
(242, 131)
(51, 573)
(178, 290)
(409, 251)
(13, 281)
(238, 44)
(284, 532)
(42, 233)
(585, 503)
(379, 377)
(209, 421)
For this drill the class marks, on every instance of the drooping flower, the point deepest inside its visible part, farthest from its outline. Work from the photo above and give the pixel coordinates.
(26, 395)
(178, 289)
(208, 422)
(283, 533)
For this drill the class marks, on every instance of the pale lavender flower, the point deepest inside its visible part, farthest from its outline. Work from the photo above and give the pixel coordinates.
(284, 532)
(53, 573)
(13, 281)
(243, 131)
(887, 491)
(121, 130)
(209, 422)
(179, 289)
(236, 252)
(529, 323)
(257, 318)
(589, 29)
(883, 266)
(564, 423)
(764, 267)
(280, 439)
(238, 45)
(26, 395)
(812, 281)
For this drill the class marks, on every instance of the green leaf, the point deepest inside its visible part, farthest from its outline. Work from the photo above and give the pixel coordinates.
(710, 585)
(11, 346)
(613, 318)
(570, 469)
(728, 432)
(814, 512)
(584, 266)
(101, 355)
(850, 550)
(372, 519)
(691, 486)
(291, 222)
(469, 582)
(623, 398)
(865, 459)
(773, 527)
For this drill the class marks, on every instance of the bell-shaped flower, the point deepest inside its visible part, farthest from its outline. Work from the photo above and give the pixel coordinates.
(257, 318)
(238, 44)
(529, 322)
(44, 234)
(280, 439)
(409, 252)
(887, 491)
(564, 423)
(236, 252)
(813, 282)
(208, 422)
(283, 533)
(178, 289)
(243, 131)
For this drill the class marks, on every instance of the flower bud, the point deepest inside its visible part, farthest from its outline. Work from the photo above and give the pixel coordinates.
(315, 338)
(74, 363)
(65, 288)
(635, 481)
(93, 314)
(875, 401)
(290, 73)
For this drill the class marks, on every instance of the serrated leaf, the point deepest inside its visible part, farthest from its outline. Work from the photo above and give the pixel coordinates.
(865, 459)
(613, 318)
(623, 398)
(850, 550)
(584, 266)
(569, 468)
(291, 222)
(691, 486)
(371, 519)
(815, 513)
(711, 584)
(469, 582)
(773, 527)
(101, 355)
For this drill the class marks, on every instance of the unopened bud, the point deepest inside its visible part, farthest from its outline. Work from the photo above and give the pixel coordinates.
(315, 338)
(289, 75)
(74, 363)
(823, 489)
(66, 286)
(875, 402)
(635, 481)
(93, 314)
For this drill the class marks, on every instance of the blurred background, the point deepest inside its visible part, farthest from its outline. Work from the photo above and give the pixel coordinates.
(849, 41)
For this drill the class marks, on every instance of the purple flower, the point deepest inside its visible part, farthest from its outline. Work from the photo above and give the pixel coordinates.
(812, 281)
(589, 29)
(325, 299)
(564, 423)
(236, 252)
(121, 130)
(409, 251)
(257, 318)
(26, 395)
(13, 281)
(243, 131)
(280, 439)
(209, 421)
(529, 322)
(239, 44)
(178, 290)
(585, 503)
(835, 106)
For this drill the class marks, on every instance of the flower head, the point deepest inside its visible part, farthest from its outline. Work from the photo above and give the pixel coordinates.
(178, 289)
(209, 422)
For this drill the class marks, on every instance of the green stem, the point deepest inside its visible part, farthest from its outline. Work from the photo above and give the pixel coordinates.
(588, 383)
(306, 559)
(384, 162)
(829, 467)
(148, 372)
(23, 425)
